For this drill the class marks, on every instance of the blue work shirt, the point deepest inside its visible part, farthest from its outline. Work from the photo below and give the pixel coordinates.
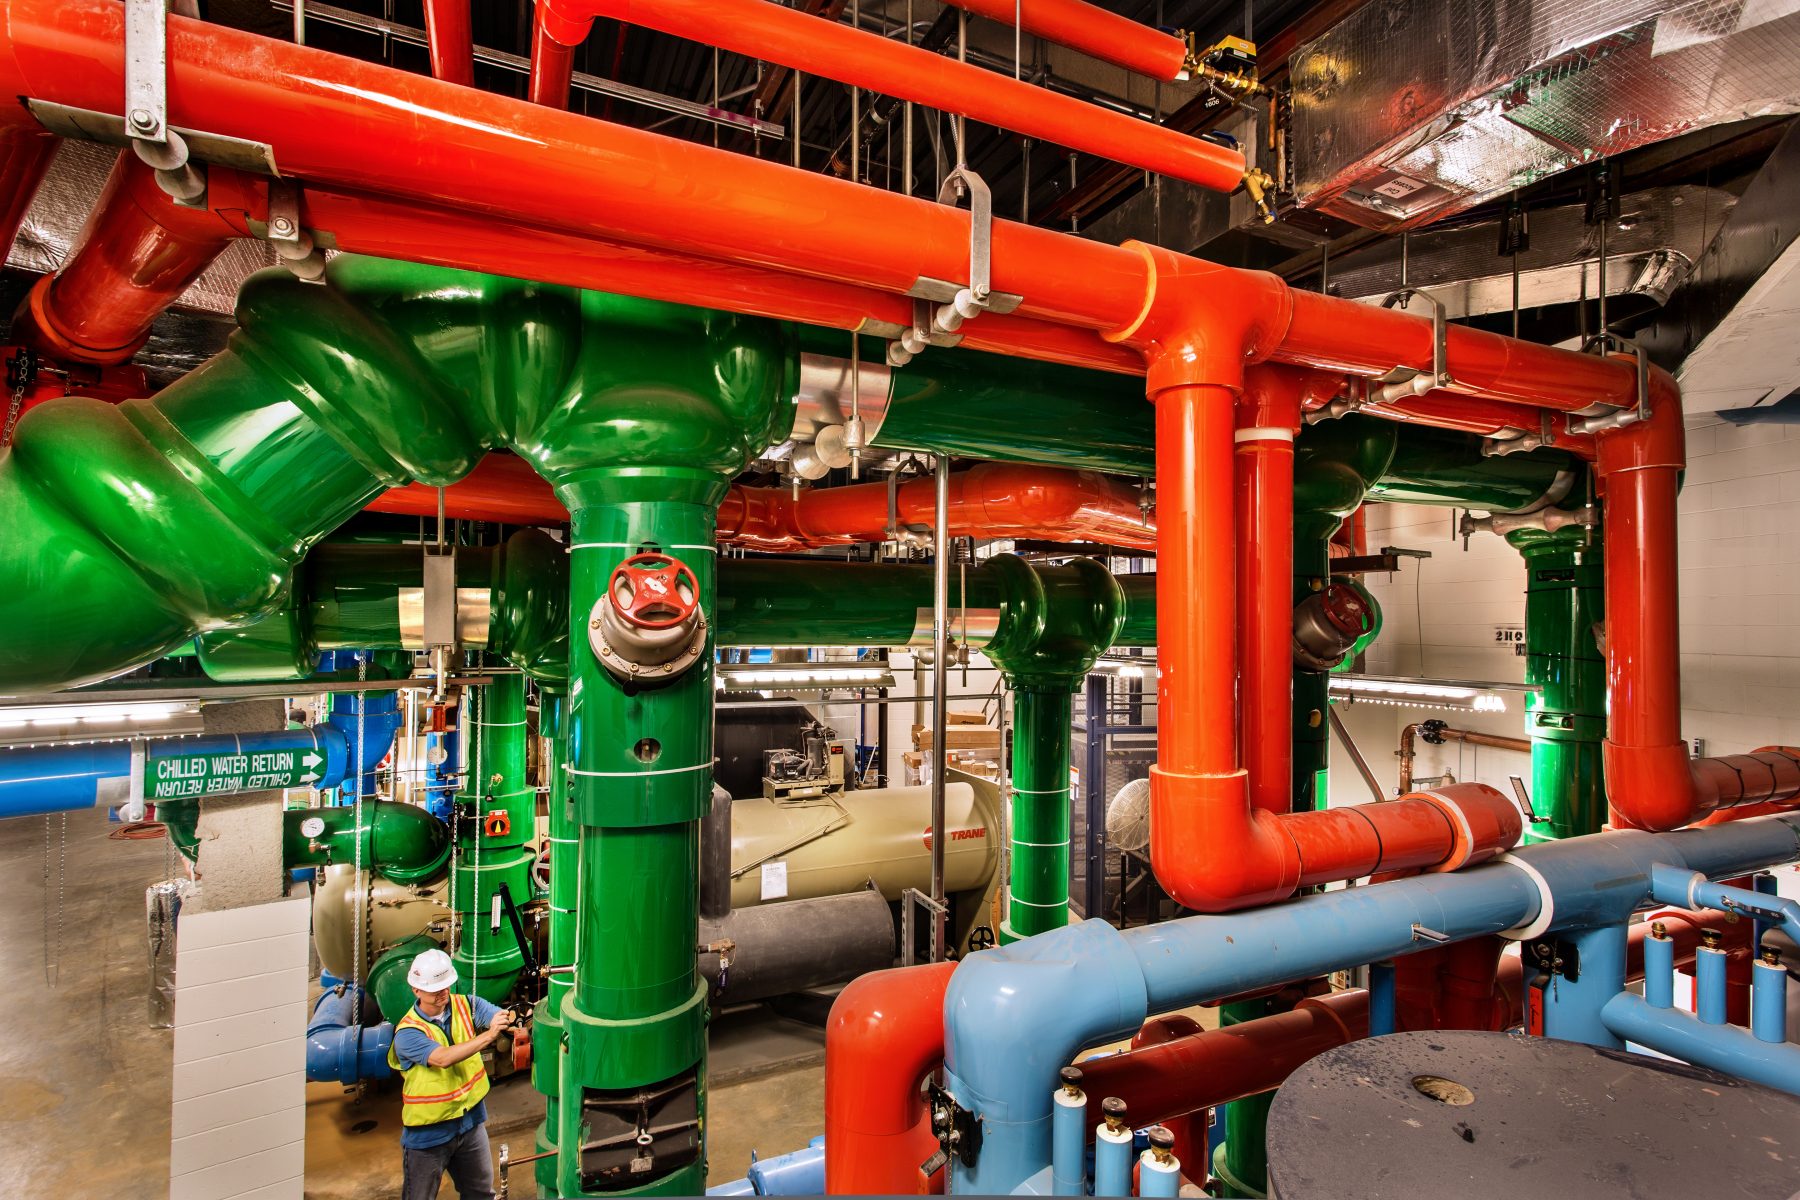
(412, 1047)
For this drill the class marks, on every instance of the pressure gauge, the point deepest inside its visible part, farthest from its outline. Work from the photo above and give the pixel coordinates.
(312, 827)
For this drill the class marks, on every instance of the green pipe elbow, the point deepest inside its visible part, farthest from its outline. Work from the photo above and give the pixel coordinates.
(401, 841)
(1055, 621)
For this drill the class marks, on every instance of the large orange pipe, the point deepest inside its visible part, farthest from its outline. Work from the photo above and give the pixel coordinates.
(832, 50)
(1092, 30)
(990, 500)
(886, 1030)
(1651, 783)
(450, 40)
(1268, 417)
(136, 254)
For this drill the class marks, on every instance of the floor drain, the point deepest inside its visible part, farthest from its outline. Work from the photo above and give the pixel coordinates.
(1444, 1091)
(364, 1126)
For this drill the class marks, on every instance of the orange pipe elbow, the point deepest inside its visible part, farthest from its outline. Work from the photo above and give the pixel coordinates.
(886, 1030)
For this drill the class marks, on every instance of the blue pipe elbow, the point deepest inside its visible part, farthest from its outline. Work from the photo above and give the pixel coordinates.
(340, 1052)
(378, 715)
(1723, 1048)
(800, 1173)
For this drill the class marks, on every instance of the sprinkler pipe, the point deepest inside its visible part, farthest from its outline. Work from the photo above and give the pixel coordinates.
(1094, 31)
(884, 1034)
(1016, 1014)
(833, 50)
(36, 780)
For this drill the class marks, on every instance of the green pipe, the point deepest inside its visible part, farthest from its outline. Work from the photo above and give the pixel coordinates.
(493, 797)
(550, 1049)
(1039, 879)
(1442, 466)
(1566, 718)
(401, 841)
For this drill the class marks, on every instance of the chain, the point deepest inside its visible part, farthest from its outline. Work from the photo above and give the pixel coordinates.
(355, 768)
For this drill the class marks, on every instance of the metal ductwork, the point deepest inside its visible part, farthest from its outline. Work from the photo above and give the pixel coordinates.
(1410, 110)
(1651, 248)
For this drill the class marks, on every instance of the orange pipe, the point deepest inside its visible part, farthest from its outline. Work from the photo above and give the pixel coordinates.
(25, 154)
(502, 488)
(1651, 783)
(832, 50)
(990, 500)
(135, 255)
(451, 41)
(1217, 1066)
(886, 1030)
(1268, 417)
(1188, 1129)
(1092, 30)
(552, 64)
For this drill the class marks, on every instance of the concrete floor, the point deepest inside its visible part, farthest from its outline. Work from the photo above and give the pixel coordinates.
(88, 1079)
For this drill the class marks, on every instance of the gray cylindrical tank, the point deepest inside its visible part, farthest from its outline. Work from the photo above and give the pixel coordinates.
(801, 944)
(396, 912)
(826, 845)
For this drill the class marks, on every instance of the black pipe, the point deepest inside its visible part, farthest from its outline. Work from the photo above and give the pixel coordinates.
(793, 945)
(715, 857)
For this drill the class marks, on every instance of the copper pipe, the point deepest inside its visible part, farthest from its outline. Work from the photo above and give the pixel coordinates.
(1437, 731)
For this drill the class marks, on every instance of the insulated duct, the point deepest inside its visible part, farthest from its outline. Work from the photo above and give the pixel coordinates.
(1410, 110)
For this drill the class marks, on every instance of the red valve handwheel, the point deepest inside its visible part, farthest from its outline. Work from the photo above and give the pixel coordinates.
(1345, 608)
(651, 596)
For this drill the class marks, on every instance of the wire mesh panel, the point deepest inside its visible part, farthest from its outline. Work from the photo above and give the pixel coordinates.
(1115, 743)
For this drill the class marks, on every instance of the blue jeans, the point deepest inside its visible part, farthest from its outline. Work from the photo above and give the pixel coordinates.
(465, 1156)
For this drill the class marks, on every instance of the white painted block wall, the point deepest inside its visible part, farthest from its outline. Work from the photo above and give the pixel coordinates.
(238, 1121)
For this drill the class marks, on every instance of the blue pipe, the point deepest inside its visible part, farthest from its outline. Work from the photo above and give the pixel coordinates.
(379, 714)
(1689, 889)
(1112, 1162)
(1764, 884)
(339, 1051)
(1724, 1048)
(1709, 985)
(1381, 998)
(1155, 1179)
(35, 780)
(442, 778)
(1572, 1007)
(1768, 1001)
(1068, 1142)
(1016, 1014)
(801, 1173)
(1659, 971)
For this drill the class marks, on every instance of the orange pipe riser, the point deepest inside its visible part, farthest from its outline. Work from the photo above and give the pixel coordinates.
(25, 154)
(135, 255)
(991, 500)
(552, 64)
(1217, 1066)
(832, 50)
(1268, 417)
(886, 1030)
(451, 41)
(1092, 30)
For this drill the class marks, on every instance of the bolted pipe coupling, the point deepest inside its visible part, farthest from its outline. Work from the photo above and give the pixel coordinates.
(648, 628)
(1327, 625)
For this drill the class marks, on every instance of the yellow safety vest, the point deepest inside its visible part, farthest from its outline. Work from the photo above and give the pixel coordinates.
(431, 1094)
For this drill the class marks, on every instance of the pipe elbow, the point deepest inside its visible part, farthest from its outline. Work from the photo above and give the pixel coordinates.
(1651, 787)
(1201, 322)
(1659, 441)
(1210, 850)
(885, 1031)
(341, 1052)
(566, 23)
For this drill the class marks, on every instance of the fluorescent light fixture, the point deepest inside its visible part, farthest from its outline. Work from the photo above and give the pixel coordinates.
(97, 722)
(801, 677)
(1451, 695)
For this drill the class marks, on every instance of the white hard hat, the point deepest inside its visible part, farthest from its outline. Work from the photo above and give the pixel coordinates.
(431, 971)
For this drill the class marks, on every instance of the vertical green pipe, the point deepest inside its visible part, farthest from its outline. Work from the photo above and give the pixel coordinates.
(1566, 719)
(1312, 689)
(1042, 726)
(641, 766)
(487, 955)
(550, 1049)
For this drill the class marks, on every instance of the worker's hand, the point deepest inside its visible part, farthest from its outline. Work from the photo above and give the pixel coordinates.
(504, 1019)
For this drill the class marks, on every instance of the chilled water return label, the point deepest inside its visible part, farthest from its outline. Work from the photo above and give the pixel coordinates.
(180, 776)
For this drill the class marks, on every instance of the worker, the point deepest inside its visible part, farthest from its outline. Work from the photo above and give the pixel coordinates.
(437, 1046)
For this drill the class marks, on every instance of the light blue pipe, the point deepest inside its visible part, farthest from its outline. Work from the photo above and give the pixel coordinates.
(1572, 1007)
(1724, 1048)
(801, 1173)
(1381, 998)
(1155, 1179)
(1659, 971)
(1014, 1015)
(1112, 1163)
(338, 1050)
(1709, 985)
(1768, 1001)
(1691, 890)
(35, 780)
(442, 778)
(1068, 1143)
(378, 714)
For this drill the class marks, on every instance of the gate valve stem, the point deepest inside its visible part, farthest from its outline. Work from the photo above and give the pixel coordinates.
(1071, 1082)
(1113, 1109)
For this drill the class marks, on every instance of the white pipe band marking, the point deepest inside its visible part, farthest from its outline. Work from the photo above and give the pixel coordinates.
(1035, 904)
(706, 766)
(635, 546)
(1061, 791)
(1051, 845)
(1263, 433)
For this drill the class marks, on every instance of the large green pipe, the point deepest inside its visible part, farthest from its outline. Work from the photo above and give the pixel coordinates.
(401, 841)
(496, 818)
(1566, 718)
